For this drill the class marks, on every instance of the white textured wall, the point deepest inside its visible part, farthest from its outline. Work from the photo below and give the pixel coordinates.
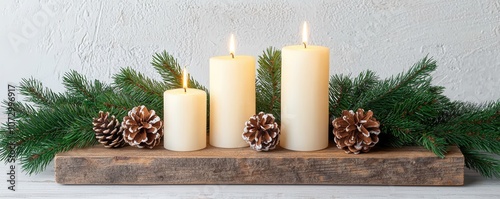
(45, 39)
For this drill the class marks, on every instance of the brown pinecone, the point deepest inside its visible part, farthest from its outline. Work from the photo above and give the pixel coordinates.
(356, 132)
(108, 131)
(261, 132)
(142, 128)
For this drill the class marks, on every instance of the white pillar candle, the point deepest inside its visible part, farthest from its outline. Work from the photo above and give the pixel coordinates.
(232, 98)
(185, 118)
(304, 96)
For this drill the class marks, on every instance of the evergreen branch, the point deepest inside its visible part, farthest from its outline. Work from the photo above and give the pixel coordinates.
(171, 72)
(37, 94)
(484, 163)
(476, 127)
(195, 84)
(78, 134)
(76, 84)
(140, 89)
(340, 94)
(404, 131)
(268, 83)
(118, 103)
(43, 132)
(20, 109)
(419, 73)
(135, 81)
(420, 107)
(169, 69)
(364, 82)
(435, 144)
(42, 135)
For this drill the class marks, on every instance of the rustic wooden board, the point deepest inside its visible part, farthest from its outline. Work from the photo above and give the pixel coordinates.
(388, 166)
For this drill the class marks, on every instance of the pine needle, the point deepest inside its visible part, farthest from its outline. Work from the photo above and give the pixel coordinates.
(268, 83)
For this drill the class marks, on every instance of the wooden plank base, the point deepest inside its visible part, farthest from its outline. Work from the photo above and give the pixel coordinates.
(384, 166)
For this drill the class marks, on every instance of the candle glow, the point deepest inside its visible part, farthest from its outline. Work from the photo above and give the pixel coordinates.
(305, 34)
(231, 45)
(184, 79)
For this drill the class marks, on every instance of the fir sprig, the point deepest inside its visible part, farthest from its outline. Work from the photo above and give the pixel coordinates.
(486, 164)
(49, 123)
(140, 89)
(168, 68)
(37, 94)
(60, 121)
(268, 83)
(474, 127)
(340, 94)
(434, 143)
(412, 111)
(79, 86)
(40, 142)
(171, 71)
(364, 82)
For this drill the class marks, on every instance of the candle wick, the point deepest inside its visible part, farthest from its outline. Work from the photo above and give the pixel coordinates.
(305, 45)
(185, 90)
(232, 55)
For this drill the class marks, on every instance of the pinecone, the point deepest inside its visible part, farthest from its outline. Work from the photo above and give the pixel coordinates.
(108, 131)
(261, 132)
(142, 128)
(356, 132)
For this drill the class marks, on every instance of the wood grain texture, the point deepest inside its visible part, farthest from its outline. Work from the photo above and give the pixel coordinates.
(401, 166)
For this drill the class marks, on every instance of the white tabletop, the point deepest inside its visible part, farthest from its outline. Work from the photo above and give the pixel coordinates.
(44, 186)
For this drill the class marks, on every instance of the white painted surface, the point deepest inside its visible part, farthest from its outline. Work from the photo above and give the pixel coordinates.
(98, 37)
(387, 36)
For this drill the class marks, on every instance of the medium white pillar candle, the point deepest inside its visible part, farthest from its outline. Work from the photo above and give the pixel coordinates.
(185, 119)
(232, 98)
(304, 97)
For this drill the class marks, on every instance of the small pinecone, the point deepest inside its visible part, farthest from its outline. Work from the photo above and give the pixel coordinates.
(356, 132)
(108, 131)
(142, 128)
(261, 132)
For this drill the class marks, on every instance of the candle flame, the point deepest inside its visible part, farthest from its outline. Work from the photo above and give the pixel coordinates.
(185, 79)
(305, 34)
(231, 45)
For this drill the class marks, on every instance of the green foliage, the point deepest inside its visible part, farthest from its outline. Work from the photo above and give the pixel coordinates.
(138, 90)
(473, 127)
(49, 123)
(482, 162)
(38, 95)
(171, 72)
(434, 143)
(414, 112)
(268, 83)
(343, 90)
(57, 122)
(340, 94)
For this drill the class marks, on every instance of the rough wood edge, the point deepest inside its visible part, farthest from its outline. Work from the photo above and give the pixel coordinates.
(395, 166)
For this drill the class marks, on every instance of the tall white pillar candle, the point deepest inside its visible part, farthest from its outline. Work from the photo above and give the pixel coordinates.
(185, 119)
(232, 98)
(304, 97)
